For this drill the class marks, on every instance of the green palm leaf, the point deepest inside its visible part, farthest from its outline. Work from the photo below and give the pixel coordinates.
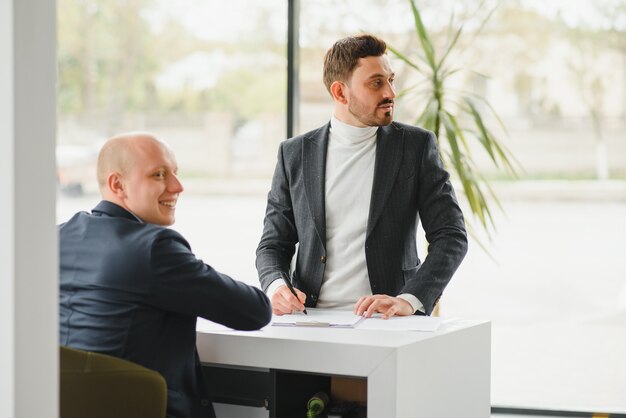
(456, 119)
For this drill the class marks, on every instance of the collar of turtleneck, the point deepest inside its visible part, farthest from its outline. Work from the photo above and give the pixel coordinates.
(351, 135)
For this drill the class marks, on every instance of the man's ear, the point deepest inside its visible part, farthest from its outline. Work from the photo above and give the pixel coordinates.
(337, 90)
(116, 185)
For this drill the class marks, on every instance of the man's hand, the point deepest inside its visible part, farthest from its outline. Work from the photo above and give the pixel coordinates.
(387, 305)
(284, 302)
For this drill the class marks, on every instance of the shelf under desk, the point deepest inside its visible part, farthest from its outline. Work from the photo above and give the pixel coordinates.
(445, 373)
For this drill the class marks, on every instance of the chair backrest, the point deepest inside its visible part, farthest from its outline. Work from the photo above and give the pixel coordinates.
(99, 386)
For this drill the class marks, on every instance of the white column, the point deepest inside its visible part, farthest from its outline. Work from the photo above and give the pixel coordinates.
(28, 237)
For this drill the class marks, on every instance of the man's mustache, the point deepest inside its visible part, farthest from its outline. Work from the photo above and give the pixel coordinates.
(386, 101)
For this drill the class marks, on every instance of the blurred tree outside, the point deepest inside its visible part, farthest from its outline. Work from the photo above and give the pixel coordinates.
(144, 64)
(110, 58)
(524, 33)
(140, 63)
(106, 57)
(598, 48)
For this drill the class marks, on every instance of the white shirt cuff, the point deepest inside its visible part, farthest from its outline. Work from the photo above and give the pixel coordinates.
(415, 302)
(271, 289)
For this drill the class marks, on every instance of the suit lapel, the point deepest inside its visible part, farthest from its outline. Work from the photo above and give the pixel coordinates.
(314, 174)
(388, 159)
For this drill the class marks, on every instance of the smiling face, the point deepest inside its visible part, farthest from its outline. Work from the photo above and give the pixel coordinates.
(151, 185)
(367, 98)
(139, 173)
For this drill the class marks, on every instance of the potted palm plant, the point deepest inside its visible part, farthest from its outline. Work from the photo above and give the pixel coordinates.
(457, 117)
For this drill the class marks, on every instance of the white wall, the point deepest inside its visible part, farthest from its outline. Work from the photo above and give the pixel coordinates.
(28, 239)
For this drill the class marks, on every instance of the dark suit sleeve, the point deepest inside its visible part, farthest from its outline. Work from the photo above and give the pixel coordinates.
(444, 226)
(186, 285)
(277, 245)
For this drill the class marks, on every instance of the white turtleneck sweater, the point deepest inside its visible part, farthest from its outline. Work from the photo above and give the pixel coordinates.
(350, 161)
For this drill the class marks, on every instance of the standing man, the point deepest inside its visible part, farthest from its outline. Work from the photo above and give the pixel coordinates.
(351, 194)
(132, 288)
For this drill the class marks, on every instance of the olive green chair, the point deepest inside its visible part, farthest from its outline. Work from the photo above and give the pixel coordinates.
(99, 386)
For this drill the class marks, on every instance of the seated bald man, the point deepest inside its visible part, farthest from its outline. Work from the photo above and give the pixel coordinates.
(132, 288)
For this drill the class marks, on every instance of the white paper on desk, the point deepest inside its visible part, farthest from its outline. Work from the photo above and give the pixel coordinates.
(318, 318)
(401, 323)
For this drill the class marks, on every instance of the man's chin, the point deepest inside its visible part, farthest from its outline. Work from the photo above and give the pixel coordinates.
(376, 120)
(386, 120)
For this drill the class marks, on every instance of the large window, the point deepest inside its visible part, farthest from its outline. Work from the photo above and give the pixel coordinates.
(212, 81)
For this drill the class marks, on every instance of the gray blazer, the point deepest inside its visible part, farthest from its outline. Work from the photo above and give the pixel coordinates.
(410, 183)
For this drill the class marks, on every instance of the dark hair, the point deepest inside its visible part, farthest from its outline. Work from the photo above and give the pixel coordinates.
(341, 60)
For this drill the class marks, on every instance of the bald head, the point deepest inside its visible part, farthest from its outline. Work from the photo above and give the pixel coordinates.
(120, 153)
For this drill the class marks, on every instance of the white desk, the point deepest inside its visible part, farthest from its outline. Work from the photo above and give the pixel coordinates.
(441, 374)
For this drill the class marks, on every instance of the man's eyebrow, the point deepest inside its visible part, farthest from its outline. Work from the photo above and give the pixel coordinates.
(157, 168)
(380, 75)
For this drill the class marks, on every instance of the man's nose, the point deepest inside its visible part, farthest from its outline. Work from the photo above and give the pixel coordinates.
(390, 91)
(175, 186)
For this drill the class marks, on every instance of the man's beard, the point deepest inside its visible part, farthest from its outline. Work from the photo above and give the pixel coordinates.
(359, 112)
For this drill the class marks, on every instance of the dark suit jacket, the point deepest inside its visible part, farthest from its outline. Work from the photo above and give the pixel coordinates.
(134, 290)
(410, 183)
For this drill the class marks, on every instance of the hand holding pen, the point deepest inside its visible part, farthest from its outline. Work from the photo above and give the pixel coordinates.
(287, 299)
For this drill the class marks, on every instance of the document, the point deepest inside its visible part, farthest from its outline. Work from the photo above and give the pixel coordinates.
(318, 318)
(347, 319)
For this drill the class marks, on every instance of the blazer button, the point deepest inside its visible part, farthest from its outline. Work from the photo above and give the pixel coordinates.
(323, 259)
(204, 402)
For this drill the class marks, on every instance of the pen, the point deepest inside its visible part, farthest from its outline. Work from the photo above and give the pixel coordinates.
(285, 278)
